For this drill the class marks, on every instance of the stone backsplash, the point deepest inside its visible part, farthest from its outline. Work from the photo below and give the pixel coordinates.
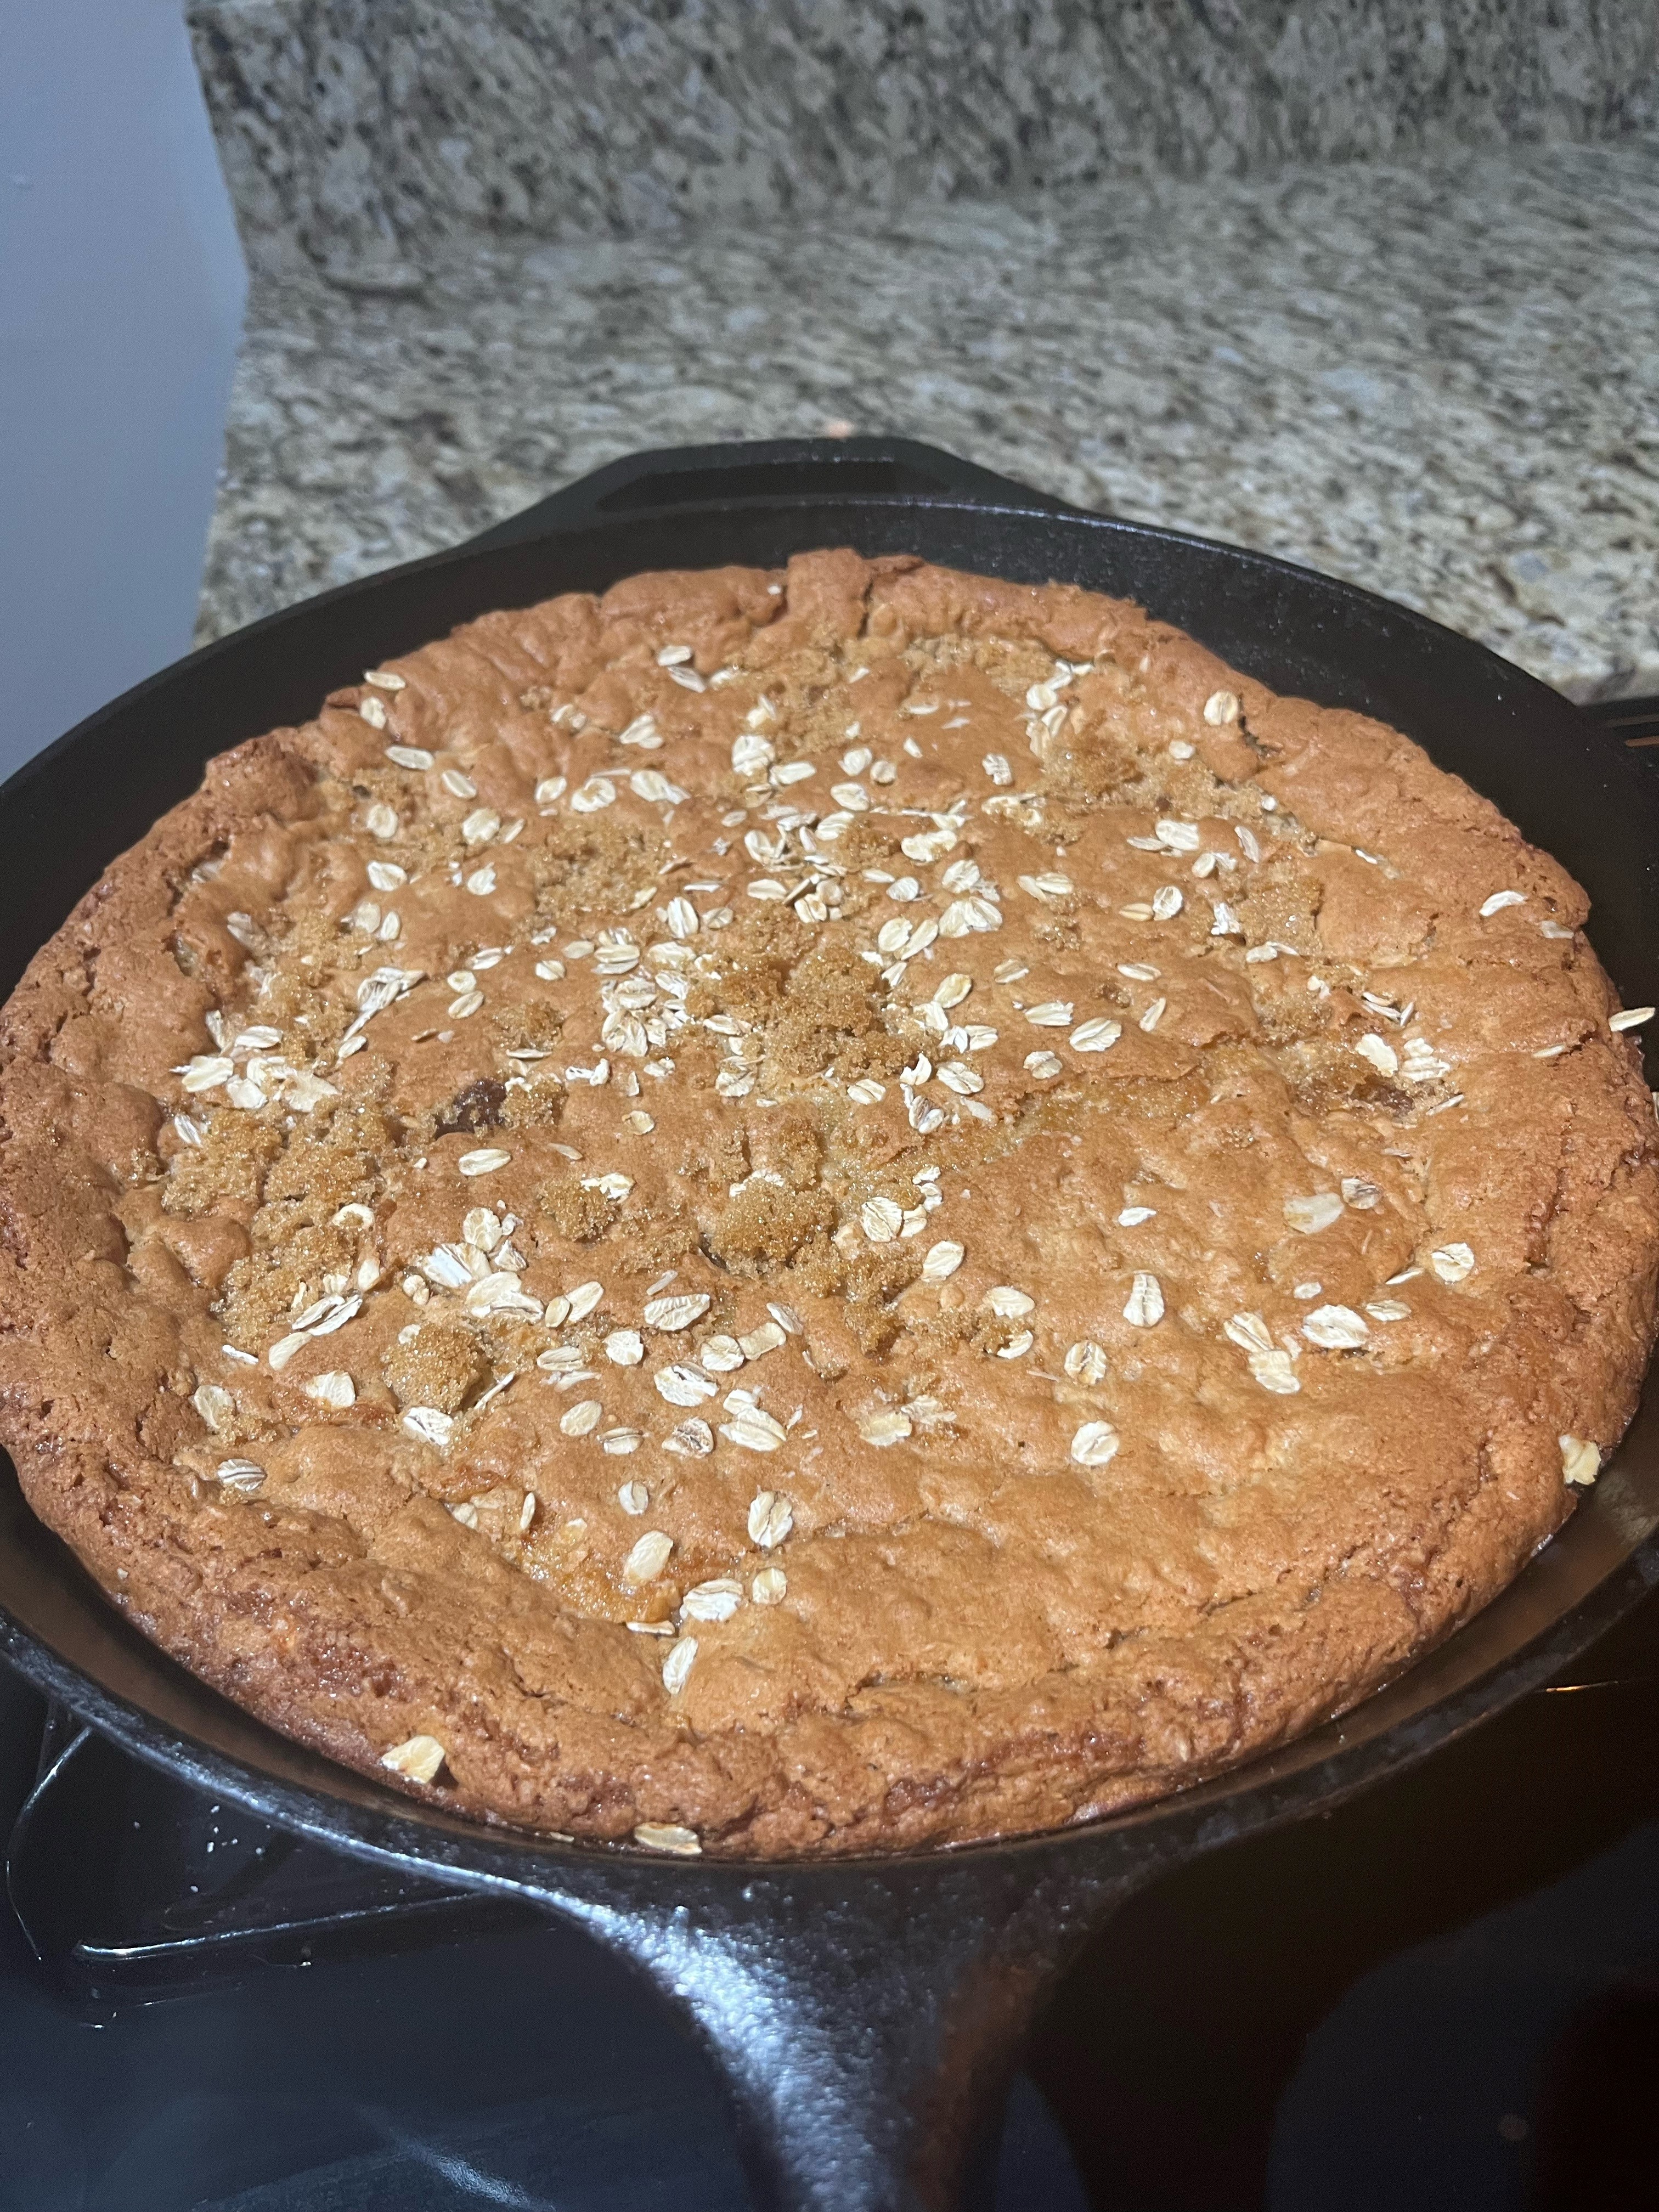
(371, 136)
(1436, 377)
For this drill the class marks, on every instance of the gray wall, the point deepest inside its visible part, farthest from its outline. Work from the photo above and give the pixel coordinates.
(121, 292)
(374, 131)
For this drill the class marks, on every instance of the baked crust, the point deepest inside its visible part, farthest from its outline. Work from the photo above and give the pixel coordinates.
(1067, 1489)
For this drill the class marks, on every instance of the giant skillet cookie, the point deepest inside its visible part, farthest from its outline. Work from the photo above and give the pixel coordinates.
(818, 1211)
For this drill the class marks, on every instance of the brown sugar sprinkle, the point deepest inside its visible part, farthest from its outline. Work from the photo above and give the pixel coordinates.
(833, 1152)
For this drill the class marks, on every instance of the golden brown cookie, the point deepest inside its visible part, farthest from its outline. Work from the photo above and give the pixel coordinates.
(816, 1211)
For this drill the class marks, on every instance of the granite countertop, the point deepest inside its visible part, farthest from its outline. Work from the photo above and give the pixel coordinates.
(1437, 381)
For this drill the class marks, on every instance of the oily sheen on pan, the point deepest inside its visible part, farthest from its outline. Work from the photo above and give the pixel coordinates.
(815, 1211)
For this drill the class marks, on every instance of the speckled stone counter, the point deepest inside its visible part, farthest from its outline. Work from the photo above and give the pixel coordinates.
(370, 134)
(1440, 381)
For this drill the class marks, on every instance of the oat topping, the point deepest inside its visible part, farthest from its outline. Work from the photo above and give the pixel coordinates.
(668, 1836)
(1581, 1461)
(1337, 1329)
(1095, 1444)
(418, 1759)
(246, 1475)
(648, 1558)
(1452, 1263)
(1308, 1215)
(752, 1027)
(216, 1406)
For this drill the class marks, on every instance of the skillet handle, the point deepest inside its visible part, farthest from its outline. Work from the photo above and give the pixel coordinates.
(777, 468)
(867, 2019)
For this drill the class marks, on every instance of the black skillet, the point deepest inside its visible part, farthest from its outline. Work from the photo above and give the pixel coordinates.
(865, 2016)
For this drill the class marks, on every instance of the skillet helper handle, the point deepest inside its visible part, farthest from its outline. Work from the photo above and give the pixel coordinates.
(867, 2019)
(771, 469)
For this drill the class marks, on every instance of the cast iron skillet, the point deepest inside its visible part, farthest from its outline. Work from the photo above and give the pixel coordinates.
(865, 2016)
